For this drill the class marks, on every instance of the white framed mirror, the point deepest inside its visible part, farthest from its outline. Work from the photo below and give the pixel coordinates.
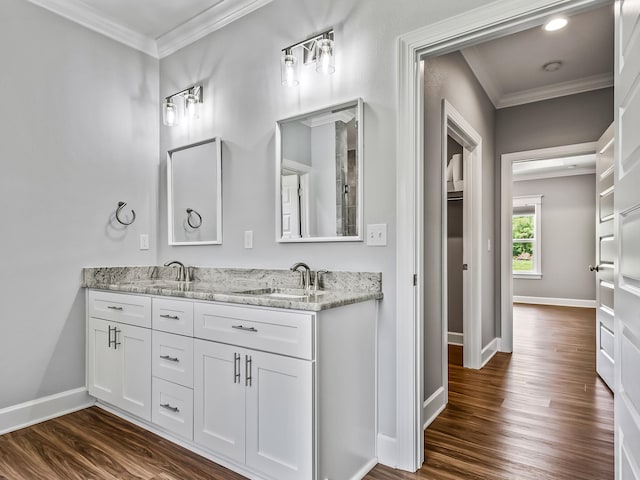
(319, 175)
(194, 193)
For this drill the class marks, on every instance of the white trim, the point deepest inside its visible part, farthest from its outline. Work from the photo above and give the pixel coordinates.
(560, 302)
(527, 276)
(456, 125)
(216, 17)
(455, 338)
(557, 174)
(489, 351)
(506, 213)
(42, 409)
(484, 23)
(207, 22)
(536, 201)
(571, 87)
(434, 405)
(386, 450)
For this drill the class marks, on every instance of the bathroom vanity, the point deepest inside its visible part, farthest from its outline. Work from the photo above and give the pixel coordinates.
(275, 383)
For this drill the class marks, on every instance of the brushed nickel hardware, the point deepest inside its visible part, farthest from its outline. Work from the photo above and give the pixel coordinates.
(169, 407)
(248, 367)
(121, 205)
(594, 269)
(236, 368)
(465, 267)
(110, 341)
(170, 358)
(116, 331)
(318, 277)
(305, 274)
(184, 275)
(246, 329)
(111, 307)
(170, 317)
(197, 224)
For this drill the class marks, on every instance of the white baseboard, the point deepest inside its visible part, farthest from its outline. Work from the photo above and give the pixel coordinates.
(488, 352)
(454, 338)
(434, 405)
(42, 409)
(387, 450)
(559, 302)
(364, 470)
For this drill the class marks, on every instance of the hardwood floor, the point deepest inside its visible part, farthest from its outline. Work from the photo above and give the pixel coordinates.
(540, 413)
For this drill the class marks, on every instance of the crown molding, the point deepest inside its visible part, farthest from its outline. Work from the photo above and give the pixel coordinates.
(90, 18)
(209, 21)
(483, 75)
(212, 19)
(557, 174)
(562, 89)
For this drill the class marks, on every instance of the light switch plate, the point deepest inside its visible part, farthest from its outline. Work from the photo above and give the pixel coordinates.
(377, 235)
(144, 241)
(248, 239)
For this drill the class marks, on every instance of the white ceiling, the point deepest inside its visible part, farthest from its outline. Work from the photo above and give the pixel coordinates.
(156, 27)
(554, 167)
(510, 68)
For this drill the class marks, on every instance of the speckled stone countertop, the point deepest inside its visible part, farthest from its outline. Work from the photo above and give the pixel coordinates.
(267, 288)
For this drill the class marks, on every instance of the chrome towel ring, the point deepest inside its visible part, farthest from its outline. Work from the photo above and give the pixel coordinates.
(121, 205)
(192, 224)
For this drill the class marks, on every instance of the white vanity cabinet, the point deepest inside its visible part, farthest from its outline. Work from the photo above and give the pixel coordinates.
(119, 351)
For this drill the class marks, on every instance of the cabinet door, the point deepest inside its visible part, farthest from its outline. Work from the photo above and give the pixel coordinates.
(279, 416)
(134, 345)
(104, 362)
(219, 399)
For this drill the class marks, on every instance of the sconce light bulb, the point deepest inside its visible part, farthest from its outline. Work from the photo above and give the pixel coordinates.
(191, 106)
(289, 70)
(169, 113)
(325, 61)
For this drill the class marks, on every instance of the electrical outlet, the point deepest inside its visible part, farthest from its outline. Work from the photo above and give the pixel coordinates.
(144, 241)
(377, 235)
(248, 239)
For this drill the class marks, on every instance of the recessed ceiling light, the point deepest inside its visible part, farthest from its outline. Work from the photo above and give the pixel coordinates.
(552, 66)
(555, 24)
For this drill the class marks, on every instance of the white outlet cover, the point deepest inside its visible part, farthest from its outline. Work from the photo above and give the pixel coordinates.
(248, 239)
(377, 235)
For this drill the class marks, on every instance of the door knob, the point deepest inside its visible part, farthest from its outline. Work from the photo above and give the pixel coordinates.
(594, 269)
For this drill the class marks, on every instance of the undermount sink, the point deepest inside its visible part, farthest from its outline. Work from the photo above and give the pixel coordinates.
(282, 293)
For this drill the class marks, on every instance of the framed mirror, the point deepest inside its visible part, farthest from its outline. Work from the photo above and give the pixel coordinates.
(319, 175)
(194, 194)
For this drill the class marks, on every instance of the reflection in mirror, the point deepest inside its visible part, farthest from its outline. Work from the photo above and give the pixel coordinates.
(194, 194)
(319, 175)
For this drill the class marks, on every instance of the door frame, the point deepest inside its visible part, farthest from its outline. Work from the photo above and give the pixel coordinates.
(506, 213)
(490, 21)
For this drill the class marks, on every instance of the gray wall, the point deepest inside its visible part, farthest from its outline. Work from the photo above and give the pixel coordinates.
(568, 237)
(79, 133)
(451, 78)
(245, 98)
(559, 121)
(455, 253)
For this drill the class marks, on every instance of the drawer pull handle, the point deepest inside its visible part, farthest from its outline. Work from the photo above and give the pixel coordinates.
(111, 307)
(236, 368)
(170, 358)
(170, 317)
(169, 407)
(248, 369)
(246, 329)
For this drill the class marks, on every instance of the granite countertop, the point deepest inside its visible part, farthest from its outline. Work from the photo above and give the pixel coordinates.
(267, 288)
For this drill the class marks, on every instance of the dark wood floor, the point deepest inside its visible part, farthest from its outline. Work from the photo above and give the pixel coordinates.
(538, 414)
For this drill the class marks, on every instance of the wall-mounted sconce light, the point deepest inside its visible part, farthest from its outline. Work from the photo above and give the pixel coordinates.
(189, 100)
(318, 49)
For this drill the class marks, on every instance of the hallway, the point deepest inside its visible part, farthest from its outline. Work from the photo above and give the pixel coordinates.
(540, 413)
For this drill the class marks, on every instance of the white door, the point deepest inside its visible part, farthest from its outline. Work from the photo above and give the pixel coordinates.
(134, 345)
(104, 362)
(219, 399)
(606, 258)
(279, 415)
(290, 206)
(627, 217)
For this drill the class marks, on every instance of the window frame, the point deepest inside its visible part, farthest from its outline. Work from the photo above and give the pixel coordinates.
(536, 202)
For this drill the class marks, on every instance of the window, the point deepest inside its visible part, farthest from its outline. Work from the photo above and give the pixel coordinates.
(525, 228)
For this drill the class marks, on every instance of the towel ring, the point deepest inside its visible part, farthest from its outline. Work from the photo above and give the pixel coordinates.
(121, 205)
(199, 222)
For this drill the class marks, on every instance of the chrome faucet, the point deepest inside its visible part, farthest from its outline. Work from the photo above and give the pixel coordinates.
(183, 272)
(305, 274)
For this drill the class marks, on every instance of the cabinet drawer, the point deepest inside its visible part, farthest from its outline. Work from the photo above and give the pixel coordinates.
(174, 316)
(172, 407)
(173, 358)
(285, 333)
(119, 307)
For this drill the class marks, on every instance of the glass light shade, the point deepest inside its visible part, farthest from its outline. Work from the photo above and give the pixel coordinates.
(554, 24)
(325, 58)
(169, 117)
(289, 70)
(191, 106)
